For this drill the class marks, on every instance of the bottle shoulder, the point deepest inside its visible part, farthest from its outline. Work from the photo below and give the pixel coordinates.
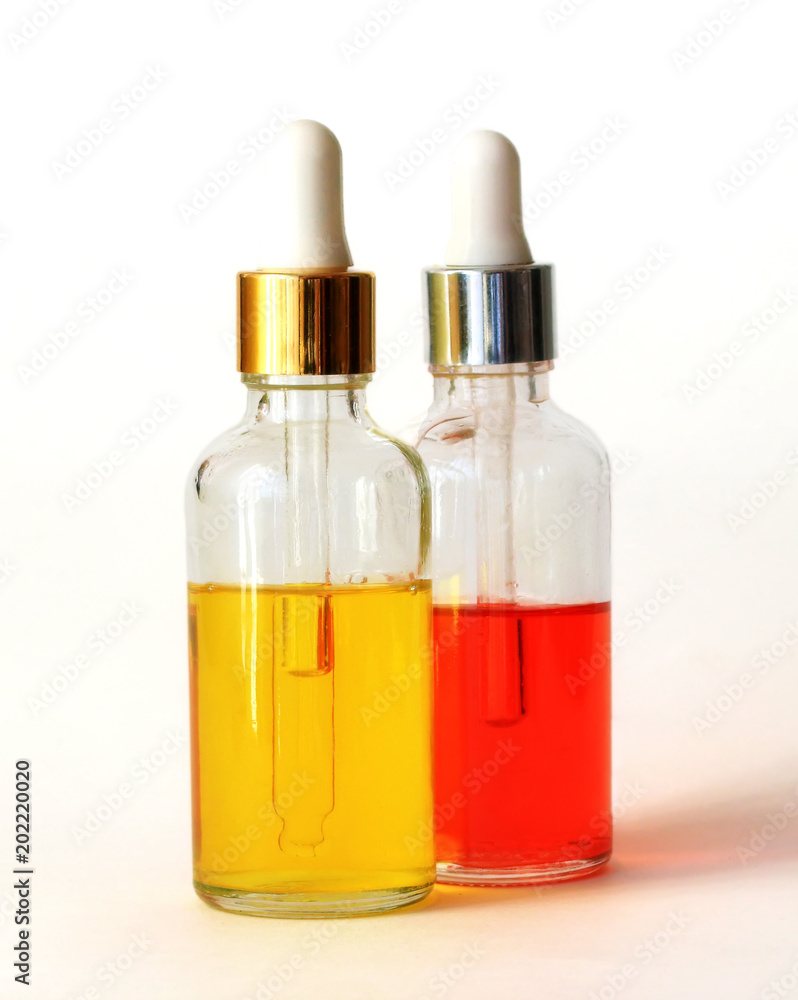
(533, 429)
(267, 451)
(576, 431)
(219, 453)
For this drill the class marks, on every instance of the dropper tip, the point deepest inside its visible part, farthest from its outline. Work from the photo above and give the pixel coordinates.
(305, 177)
(487, 217)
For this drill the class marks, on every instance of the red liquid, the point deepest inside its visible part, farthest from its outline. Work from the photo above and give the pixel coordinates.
(522, 731)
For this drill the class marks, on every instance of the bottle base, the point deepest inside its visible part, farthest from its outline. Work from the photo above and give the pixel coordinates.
(560, 871)
(310, 905)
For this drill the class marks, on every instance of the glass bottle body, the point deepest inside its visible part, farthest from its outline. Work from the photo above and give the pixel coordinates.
(520, 568)
(310, 621)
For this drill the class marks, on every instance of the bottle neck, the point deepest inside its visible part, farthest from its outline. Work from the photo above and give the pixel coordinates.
(491, 384)
(284, 398)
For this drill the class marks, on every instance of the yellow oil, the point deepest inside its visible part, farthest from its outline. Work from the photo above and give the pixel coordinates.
(311, 745)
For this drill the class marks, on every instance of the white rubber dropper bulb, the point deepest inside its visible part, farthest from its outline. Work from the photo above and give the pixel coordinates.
(306, 218)
(487, 218)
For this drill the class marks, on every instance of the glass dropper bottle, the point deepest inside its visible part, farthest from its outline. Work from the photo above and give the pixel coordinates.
(309, 600)
(520, 558)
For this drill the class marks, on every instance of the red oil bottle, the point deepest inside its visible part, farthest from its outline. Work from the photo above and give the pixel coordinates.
(520, 559)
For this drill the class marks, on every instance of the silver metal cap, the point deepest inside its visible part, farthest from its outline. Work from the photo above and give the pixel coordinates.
(490, 315)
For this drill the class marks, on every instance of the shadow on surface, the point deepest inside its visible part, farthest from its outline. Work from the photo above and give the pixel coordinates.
(758, 827)
(701, 838)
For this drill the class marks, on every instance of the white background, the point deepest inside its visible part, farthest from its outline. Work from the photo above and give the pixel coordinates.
(689, 794)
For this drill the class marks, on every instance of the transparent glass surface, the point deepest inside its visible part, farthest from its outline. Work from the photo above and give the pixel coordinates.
(310, 618)
(521, 587)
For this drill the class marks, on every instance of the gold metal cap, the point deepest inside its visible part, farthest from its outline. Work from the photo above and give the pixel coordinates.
(305, 323)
